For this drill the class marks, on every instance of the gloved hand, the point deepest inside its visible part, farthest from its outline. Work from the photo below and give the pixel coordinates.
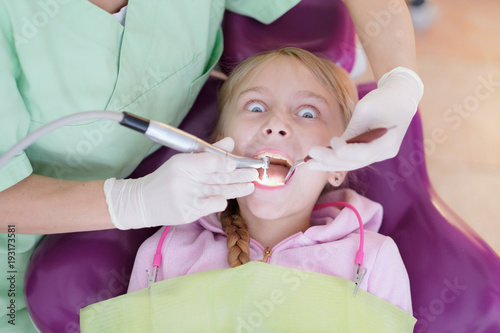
(183, 189)
(393, 103)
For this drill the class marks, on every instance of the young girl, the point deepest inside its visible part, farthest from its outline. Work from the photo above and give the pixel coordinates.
(280, 104)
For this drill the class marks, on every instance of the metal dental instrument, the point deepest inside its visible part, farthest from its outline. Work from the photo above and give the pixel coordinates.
(184, 142)
(164, 134)
(365, 137)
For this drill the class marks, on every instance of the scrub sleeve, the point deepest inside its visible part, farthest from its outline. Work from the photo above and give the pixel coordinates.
(59, 57)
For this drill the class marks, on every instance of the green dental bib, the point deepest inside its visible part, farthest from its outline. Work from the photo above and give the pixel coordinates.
(255, 297)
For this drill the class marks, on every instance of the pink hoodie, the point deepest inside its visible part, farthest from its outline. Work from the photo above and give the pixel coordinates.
(328, 247)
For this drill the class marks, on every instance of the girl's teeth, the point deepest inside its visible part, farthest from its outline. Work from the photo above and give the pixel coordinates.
(276, 156)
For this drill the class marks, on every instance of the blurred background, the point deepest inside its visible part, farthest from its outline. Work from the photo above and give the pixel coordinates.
(458, 55)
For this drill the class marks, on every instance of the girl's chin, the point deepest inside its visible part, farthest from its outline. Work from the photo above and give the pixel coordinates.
(263, 203)
(264, 213)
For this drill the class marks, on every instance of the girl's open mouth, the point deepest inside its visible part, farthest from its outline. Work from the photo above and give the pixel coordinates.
(278, 169)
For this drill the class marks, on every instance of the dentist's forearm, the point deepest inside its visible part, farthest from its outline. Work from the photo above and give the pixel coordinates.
(386, 32)
(43, 205)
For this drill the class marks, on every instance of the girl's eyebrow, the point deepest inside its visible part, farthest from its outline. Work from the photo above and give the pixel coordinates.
(310, 94)
(300, 94)
(258, 89)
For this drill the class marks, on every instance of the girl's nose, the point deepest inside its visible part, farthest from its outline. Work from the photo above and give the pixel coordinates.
(277, 125)
(280, 132)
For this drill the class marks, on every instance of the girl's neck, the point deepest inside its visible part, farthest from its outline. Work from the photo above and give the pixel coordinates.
(270, 232)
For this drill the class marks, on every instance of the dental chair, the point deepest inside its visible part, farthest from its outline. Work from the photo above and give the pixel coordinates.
(454, 274)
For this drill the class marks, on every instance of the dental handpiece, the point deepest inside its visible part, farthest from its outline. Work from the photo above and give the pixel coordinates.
(181, 141)
(166, 135)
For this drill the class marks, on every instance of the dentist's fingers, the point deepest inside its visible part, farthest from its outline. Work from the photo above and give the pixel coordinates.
(213, 198)
(196, 166)
(205, 200)
(211, 205)
(199, 207)
(204, 163)
(230, 191)
(343, 156)
(206, 173)
(212, 169)
(238, 176)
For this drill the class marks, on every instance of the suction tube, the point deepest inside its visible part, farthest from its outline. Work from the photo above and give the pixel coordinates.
(52, 126)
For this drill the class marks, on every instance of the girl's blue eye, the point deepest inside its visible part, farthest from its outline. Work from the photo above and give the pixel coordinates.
(255, 107)
(308, 112)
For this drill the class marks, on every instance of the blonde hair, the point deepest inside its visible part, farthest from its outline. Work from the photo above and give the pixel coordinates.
(331, 76)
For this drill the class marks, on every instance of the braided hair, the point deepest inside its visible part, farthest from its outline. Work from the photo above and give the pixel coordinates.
(238, 237)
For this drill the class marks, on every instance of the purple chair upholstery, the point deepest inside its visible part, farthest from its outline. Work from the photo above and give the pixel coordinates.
(322, 27)
(70, 271)
(454, 275)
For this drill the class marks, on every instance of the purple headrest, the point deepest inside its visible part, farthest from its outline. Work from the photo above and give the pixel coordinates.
(319, 26)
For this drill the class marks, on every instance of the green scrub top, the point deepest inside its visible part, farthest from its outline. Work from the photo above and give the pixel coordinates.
(59, 57)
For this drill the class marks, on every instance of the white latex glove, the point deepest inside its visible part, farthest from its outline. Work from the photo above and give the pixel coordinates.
(183, 189)
(393, 103)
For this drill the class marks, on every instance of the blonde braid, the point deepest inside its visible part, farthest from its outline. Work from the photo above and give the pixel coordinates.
(238, 237)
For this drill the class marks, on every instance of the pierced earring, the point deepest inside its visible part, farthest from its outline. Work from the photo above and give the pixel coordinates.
(337, 181)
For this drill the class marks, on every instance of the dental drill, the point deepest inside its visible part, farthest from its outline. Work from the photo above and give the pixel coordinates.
(184, 142)
(161, 133)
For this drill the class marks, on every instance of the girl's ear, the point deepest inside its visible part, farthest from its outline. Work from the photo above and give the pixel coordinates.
(337, 178)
